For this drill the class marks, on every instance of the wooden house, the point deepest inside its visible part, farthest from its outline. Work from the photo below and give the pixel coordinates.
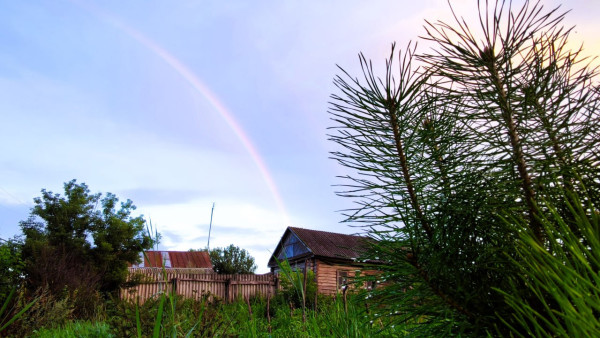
(333, 257)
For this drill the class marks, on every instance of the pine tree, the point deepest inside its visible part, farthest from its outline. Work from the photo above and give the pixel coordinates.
(491, 125)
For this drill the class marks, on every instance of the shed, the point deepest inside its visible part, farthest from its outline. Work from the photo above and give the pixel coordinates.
(333, 257)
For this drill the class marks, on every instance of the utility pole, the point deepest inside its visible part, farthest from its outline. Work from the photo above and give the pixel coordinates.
(210, 226)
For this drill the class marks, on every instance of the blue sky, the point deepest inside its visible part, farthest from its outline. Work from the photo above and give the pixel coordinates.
(104, 92)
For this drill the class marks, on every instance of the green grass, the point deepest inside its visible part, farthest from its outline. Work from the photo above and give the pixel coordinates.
(288, 314)
(246, 318)
(76, 329)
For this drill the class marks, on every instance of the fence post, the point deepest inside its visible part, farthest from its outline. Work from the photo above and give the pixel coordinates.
(174, 285)
(227, 284)
(236, 288)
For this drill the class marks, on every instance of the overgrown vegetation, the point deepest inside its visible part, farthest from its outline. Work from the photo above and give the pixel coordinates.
(179, 317)
(476, 167)
(73, 254)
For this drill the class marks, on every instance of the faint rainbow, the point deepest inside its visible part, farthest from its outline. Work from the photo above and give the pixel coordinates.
(200, 87)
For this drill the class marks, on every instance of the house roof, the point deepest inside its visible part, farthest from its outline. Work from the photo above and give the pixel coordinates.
(323, 244)
(177, 259)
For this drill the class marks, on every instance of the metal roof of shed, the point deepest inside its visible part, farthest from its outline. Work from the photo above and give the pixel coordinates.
(178, 259)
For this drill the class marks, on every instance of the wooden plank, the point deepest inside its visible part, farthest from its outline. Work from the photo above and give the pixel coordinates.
(191, 283)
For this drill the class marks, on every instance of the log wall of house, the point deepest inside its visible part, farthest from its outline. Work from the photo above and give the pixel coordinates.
(327, 276)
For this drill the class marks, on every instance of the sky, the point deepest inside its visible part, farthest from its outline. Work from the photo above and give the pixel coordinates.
(177, 105)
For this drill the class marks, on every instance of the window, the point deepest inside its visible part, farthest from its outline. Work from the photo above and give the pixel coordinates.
(342, 279)
(292, 247)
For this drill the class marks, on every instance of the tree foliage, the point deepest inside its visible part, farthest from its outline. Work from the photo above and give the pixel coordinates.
(563, 283)
(81, 239)
(492, 124)
(232, 260)
(11, 266)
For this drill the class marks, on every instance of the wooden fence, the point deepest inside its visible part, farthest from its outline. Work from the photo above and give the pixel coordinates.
(193, 283)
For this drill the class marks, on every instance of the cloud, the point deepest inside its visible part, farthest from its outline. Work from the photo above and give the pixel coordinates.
(151, 197)
(255, 226)
(172, 236)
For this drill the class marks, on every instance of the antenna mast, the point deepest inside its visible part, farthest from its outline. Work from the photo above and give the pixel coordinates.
(210, 226)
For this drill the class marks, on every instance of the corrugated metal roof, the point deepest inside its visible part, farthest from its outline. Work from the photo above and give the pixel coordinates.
(324, 244)
(331, 244)
(178, 259)
(153, 259)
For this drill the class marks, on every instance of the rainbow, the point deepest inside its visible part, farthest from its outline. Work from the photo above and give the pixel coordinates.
(202, 89)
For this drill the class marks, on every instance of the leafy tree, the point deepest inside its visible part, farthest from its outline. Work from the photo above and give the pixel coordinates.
(232, 260)
(494, 124)
(11, 266)
(81, 238)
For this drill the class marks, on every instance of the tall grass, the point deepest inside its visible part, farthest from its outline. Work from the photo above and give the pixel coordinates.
(169, 315)
(333, 318)
(7, 317)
